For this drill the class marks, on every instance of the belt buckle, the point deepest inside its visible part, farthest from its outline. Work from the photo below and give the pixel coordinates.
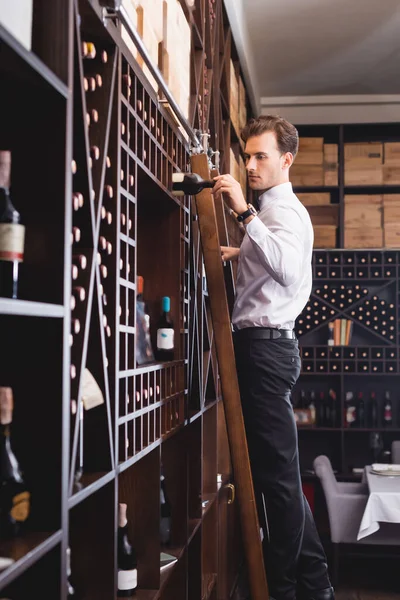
(276, 334)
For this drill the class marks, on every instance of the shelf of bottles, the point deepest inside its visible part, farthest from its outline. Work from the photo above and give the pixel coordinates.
(359, 289)
(349, 339)
(152, 377)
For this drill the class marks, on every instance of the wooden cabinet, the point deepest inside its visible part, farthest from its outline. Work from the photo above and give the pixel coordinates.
(93, 154)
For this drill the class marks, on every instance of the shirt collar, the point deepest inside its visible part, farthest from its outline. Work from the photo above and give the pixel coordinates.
(282, 190)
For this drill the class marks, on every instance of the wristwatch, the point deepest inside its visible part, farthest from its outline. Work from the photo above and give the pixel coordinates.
(247, 213)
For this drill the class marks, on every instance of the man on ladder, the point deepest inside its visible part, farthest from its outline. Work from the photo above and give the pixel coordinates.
(273, 285)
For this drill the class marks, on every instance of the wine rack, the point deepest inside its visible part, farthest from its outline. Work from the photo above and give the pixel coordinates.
(105, 217)
(359, 288)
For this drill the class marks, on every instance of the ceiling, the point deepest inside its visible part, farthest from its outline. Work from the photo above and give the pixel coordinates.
(320, 47)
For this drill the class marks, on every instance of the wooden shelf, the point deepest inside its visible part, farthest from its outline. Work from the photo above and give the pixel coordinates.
(124, 222)
(23, 66)
(25, 308)
(88, 485)
(25, 551)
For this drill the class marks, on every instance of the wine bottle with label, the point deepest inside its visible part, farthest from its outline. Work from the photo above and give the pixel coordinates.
(189, 183)
(12, 233)
(14, 497)
(165, 333)
(126, 556)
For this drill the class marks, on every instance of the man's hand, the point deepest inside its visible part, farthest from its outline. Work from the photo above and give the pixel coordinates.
(227, 185)
(228, 253)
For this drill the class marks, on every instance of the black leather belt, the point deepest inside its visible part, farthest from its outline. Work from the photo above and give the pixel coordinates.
(265, 333)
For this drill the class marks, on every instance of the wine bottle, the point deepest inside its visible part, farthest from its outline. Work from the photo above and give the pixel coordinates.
(361, 410)
(321, 410)
(312, 408)
(387, 411)
(189, 183)
(14, 498)
(165, 333)
(165, 520)
(350, 410)
(332, 408)
(126, 557)
(373, 410)
(12, 233)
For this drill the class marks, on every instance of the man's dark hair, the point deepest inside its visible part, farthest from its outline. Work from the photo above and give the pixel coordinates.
(287, 135)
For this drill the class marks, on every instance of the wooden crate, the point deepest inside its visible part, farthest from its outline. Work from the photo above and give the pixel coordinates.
(331, 164)
(324, 214)
(234, 97)
(363, 174)
(392, 236)
(243, 175)
(363, 211)
(131, 8)
(324, 236)
(234, 166)
(242, 104)
(314, 198)
(311, 151)
(307, 175)
(391, 155)
(363, 237)
(391, 210)
(311, 144)
(150, 29)
(370, 152)
(391, 175)
(174, 53)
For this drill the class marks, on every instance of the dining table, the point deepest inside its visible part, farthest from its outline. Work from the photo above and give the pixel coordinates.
(383, 504)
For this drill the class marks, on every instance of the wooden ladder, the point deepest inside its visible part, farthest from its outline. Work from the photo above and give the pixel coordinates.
(211, 221)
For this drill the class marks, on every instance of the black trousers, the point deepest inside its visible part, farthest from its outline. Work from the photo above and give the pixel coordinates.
(267, 371)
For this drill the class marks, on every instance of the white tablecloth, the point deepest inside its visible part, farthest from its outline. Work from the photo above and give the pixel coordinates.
(383, 503)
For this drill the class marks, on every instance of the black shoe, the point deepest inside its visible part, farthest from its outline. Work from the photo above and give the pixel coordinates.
(326, 594)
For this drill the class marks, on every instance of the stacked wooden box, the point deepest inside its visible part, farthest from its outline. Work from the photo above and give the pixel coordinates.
(242, 105)
(391, 163)
(363, 163)
(234, 97)
(363, 221)
(391, 220)
(238, 170)
(324, 217)
(164, 29)
(316, 163)
(372, 221)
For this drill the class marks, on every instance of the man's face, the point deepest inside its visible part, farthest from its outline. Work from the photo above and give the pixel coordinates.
(265, 165)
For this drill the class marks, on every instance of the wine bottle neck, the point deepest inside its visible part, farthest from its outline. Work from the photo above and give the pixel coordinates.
(8, 214)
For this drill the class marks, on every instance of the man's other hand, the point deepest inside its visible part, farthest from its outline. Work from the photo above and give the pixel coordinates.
(228, 253)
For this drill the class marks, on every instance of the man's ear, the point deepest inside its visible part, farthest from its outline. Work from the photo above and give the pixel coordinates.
(287, 160)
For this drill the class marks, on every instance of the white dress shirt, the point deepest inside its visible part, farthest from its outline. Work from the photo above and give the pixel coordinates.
(274, 276)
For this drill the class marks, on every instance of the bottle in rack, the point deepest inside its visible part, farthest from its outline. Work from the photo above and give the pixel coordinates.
(12, 233)
(126, 557)
(350, 410)
(373, 410)
(189, 183)
(387, 411)
(361, 411)
(14, 498)
(165, 333)
(165, 517)
(144, 350)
